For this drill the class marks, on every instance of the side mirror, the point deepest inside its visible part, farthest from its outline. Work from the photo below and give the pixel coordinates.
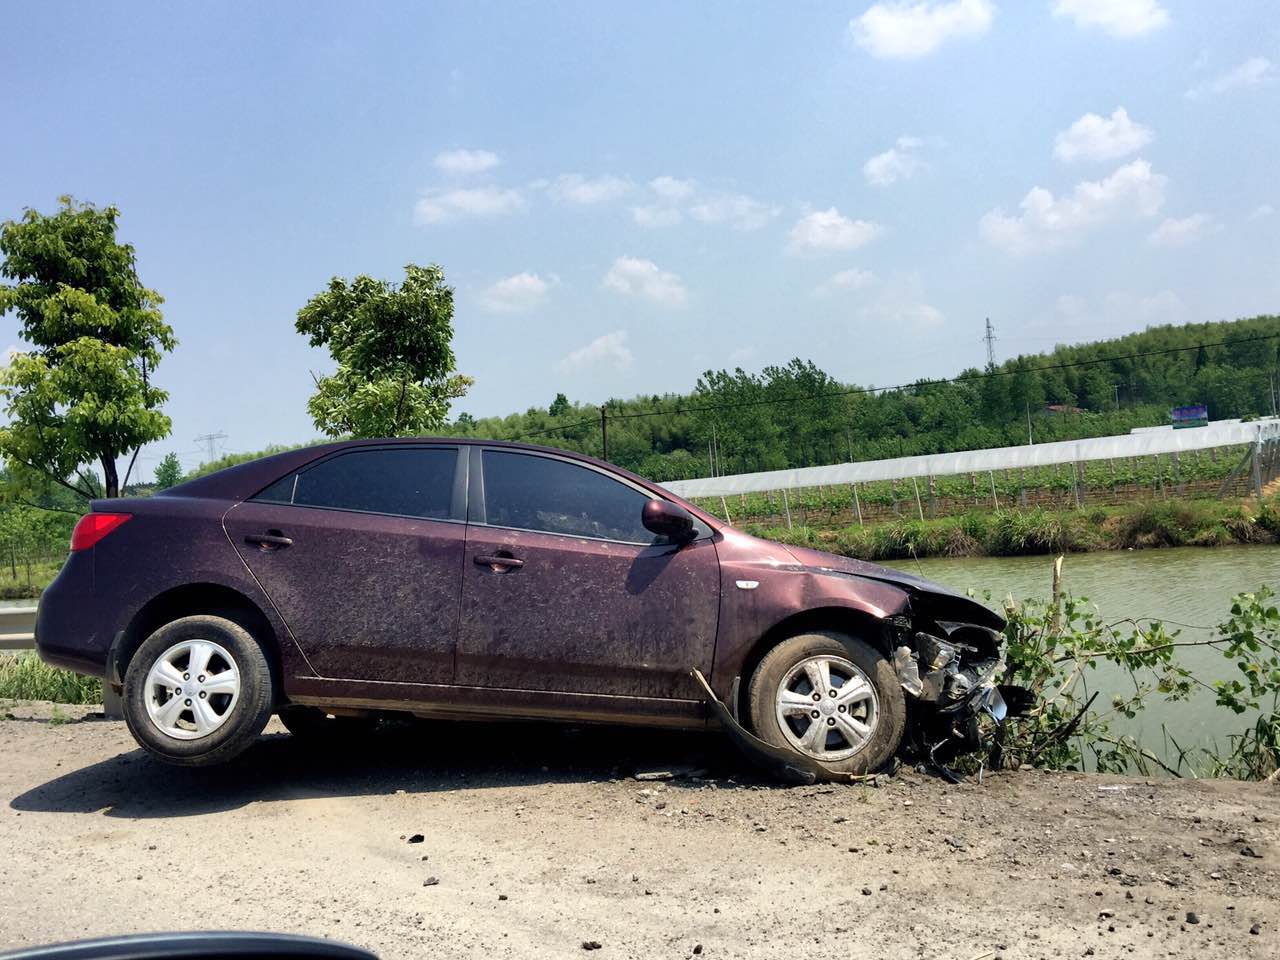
(667, 519)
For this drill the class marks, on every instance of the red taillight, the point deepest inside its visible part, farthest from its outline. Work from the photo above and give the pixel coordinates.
(92, 527)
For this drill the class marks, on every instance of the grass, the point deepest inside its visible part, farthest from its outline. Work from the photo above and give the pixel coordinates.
(30, 581)
(1037, 531)
(25, 676)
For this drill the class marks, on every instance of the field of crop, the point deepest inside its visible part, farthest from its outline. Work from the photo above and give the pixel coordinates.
(1197, 475)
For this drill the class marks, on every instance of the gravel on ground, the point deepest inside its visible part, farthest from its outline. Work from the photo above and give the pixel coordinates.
(465, 840)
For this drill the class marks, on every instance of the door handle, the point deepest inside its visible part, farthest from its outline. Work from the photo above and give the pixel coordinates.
(271, 540)
(496, 561)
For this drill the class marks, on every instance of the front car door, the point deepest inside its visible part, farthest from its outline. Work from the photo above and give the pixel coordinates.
(565, 590)
(369, 579)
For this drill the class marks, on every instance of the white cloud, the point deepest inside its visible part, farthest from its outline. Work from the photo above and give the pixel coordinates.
(677, 198)
(517, 293)
(585, 191)
(828, 230)
(643, 278)
(462, 162)
(1262, 211)
(672, 188)
(900, 162)
(609, 350)
(1252, 73)
(735, 209)
(1175, 232)
(656, 215)
(905, 30)
(441, 206)
(1166, 305)
(1101, 138)
(898, 312)
(1120, 18)
(851, 279)
(1047, 221)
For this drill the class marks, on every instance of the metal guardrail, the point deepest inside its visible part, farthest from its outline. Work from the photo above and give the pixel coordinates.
(17, 628)
(18, 632)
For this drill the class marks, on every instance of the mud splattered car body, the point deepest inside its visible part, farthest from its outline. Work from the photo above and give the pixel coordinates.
(478, 579)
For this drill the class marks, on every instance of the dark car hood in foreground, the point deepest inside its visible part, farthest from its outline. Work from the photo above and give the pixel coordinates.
(822, 562)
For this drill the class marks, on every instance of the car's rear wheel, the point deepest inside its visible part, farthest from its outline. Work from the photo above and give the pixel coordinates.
(198, 691)
(312, 723)
(831, 698)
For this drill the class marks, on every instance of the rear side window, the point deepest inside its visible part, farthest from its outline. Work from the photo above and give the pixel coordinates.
(539, 493)
(404, 481)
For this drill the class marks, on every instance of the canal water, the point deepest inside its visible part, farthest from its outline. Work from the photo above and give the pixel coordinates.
(1192, 586)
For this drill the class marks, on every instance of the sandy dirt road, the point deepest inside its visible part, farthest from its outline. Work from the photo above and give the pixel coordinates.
(537, 839)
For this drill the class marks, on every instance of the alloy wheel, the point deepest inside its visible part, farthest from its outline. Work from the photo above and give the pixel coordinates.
(827, 708)
(191, 689)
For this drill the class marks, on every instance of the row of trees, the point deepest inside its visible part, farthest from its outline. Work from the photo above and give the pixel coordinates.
(799, 415)
(82, 397)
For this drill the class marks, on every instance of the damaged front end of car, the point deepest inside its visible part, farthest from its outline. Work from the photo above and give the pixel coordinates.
(953, 671)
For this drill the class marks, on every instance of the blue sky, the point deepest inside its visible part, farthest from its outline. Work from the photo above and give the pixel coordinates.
(624, 195)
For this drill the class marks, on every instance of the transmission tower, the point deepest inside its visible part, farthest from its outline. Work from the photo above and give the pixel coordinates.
(990, 338)
(211, 439)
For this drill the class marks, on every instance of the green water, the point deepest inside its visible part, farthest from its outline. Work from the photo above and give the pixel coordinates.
(1190, 585)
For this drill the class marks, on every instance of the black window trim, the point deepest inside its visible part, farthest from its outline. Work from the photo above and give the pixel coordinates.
(477, 513)
(457, 496)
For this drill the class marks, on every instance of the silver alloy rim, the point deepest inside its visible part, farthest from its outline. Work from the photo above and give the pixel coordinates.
(191, 689)
(827, 708)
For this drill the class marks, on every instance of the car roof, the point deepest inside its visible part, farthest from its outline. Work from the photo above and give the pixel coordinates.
(242, 481)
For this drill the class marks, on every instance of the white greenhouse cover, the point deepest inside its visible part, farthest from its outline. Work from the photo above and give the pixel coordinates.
(1143, 443)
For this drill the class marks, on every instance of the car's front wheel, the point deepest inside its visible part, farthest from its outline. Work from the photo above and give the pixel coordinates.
(198, 691)
(829, 697)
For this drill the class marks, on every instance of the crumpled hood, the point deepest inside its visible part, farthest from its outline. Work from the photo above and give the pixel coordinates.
(829, 562)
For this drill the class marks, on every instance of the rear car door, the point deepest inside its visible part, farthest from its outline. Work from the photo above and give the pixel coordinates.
(361, 553)
(565, 590)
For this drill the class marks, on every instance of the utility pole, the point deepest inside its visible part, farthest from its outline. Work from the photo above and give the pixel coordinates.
(990, 338)
(1030, 438)
(211, 439)
(1116, 387)
(604, 433)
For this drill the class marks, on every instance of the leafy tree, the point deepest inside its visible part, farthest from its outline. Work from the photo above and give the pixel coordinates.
(168, 472)
(82, 394)
(559, 406)
(393, 348)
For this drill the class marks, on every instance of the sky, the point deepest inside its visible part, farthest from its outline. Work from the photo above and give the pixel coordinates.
(625, 195)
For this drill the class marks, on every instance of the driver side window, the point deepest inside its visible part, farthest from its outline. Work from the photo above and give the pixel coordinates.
(530, 492)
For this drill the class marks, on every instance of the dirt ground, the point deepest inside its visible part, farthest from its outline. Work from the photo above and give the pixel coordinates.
(537, 840)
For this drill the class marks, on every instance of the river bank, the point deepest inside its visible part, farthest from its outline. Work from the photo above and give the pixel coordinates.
(1141, 526)
(537, 839)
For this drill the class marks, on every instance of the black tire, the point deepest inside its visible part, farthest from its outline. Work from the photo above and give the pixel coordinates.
(312, 723)
(245, 718)
(890, 704)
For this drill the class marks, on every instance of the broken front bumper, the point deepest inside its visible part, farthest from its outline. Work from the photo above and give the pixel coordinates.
(954, 672)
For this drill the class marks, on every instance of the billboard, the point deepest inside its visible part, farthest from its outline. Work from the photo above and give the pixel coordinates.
(1192, 415)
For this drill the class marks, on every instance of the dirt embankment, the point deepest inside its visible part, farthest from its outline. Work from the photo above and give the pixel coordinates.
(536, 840)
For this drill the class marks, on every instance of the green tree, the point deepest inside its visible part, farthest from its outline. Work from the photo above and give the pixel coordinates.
(82, 394)
(559, 406)
(168, 472)
(393, 348)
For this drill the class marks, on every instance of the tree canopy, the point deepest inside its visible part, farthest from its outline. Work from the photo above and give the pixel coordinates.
(797, 415)
(392, 345)
(82, 394)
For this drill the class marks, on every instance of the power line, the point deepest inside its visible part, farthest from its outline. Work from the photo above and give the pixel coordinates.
(211, 439)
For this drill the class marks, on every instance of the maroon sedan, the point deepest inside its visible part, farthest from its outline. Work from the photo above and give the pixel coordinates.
(462, 579)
